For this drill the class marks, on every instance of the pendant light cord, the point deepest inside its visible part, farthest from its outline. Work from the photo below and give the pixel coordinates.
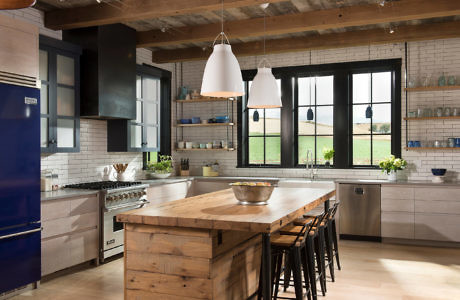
(309, 96)
(265, 32)
(222, 22)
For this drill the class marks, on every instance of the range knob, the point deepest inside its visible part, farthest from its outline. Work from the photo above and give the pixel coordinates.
(110, 198)
(125, 196)
(139, 194)
(144, 193)
(117, 197)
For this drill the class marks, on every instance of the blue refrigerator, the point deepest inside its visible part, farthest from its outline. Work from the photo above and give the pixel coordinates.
(20, 248)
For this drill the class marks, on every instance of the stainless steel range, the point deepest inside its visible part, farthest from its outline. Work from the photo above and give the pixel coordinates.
(115, 197)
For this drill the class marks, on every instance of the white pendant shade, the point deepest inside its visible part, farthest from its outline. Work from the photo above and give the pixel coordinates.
(222, 74)
(264, 90)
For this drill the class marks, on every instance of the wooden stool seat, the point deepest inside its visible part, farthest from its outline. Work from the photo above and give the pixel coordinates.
(303, 221)
(284, 240)
(295, 230)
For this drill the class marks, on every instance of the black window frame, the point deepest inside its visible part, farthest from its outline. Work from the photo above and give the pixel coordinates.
(342, 110)
(53, 48)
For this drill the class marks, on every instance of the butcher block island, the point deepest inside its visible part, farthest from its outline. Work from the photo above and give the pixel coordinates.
(208, 246)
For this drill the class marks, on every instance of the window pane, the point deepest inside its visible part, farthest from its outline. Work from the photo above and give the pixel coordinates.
(65, 70)
(272, 121)
(44, 99)
(256, 150)
(381, 148)
(43, 65)
(305, 143)
(136, 136)
(325, 120)
(152, 137)
(306, 127)
(273, 150)
(151, 88)
(306, 90)
(139, 111)
(381, 119)
(362, 150)
(361, 124)
(324, 90)
(256, 128)
(381, 87)
(65, 133)
(151, 114)
(361, 88)
(138, 87)
(323, 142)
(65, 101)
(44, 132)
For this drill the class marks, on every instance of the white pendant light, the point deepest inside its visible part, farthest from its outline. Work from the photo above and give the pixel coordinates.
(264, 91)
(222, 74)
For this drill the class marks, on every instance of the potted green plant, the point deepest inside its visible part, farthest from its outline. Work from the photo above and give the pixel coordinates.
(392, 164)
(162, 168)
(328, 154)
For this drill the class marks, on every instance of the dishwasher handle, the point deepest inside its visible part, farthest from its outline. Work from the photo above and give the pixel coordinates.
(359, 191)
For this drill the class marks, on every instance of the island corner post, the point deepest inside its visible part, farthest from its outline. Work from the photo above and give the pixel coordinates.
(208, 246)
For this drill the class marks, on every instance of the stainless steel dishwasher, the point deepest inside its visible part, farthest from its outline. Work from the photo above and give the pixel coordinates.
(360, 211)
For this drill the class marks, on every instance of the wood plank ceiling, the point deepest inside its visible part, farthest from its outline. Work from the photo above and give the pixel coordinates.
(179, 30)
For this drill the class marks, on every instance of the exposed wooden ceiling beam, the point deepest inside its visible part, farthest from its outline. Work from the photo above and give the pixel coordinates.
(132, 10)
(359, 15)
(327, 41)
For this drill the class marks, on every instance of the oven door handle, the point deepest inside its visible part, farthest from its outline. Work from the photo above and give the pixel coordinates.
(141, 203)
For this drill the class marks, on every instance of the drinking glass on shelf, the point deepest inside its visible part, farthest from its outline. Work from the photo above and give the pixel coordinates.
(420, 112)
(447, 111)
(428, 112)
(439, 112)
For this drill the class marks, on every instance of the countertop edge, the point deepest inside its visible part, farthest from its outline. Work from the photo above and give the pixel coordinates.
(65, 193)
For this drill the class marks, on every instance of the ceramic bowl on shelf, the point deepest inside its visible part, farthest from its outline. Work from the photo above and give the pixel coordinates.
(438, 172)
(186, 121)
(196, 120)
(222, 119)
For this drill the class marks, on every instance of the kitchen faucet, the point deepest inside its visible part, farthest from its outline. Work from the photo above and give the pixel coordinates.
(309, 163)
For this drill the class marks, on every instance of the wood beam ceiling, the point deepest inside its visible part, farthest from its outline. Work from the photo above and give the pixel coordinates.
(327, 41)
(133, 10)
(359, 15)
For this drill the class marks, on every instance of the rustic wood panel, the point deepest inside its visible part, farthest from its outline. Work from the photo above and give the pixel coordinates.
(229, 240)
(168, 230)
(324, 19)
(144, 295)
(405, 33)
(220, 210)
(169, 284)
(169, 244)
(168, 264)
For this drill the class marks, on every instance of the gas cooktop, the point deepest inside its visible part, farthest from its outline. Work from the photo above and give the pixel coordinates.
(103, 185)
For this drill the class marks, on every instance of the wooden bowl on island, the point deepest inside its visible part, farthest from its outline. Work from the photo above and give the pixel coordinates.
(252, 193)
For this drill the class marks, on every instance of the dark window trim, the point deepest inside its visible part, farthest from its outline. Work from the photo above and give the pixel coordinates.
(165, 107)
(56, 47)
(342, 111)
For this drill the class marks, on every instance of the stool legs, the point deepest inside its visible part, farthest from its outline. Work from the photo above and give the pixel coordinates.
(309, 247)
(319, 248)
(329, 249)
(335, 242)
(296, 272)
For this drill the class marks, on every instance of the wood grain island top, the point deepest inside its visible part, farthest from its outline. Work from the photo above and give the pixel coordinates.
(220, 210)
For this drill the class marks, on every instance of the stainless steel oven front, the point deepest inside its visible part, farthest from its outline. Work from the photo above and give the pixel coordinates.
(112, 232)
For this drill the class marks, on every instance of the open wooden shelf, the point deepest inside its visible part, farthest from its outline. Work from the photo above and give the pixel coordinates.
(205, 125)
(433, 88)
(199, 149)
(432, 118)
(205, 99)
(431, 148)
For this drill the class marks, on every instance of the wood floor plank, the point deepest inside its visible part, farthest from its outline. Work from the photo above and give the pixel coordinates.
(370, 271)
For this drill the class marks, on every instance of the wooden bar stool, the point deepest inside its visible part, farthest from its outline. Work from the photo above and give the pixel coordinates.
(293, 248)
(313, 250)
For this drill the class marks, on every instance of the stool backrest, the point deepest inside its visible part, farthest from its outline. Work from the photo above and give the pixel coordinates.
(333, 210)
(308, 227)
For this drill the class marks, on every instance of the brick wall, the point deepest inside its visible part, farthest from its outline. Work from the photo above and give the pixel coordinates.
(429, 57)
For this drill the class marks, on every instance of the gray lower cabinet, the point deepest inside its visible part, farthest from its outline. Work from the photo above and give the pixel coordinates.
(421, 212)
(70, 233)
(168, 192)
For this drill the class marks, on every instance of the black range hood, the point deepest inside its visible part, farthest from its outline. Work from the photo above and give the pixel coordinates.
(108, 71)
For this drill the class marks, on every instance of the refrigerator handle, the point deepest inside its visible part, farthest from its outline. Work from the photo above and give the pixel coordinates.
(19, 233)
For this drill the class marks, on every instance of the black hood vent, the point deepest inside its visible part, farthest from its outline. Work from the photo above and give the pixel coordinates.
(108, 71)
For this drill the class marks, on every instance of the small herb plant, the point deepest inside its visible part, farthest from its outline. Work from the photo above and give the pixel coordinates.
(328, 153)
(392, 164)
(164, 165)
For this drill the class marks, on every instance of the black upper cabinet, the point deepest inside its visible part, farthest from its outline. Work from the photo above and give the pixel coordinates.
(150, 129)
(60, 96)
(108, 71)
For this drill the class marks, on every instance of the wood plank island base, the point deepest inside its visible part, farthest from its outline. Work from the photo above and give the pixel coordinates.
(208, 246)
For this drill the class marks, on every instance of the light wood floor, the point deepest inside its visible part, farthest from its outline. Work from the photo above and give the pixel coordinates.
(369, 271)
